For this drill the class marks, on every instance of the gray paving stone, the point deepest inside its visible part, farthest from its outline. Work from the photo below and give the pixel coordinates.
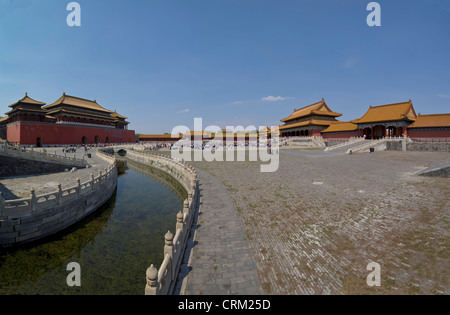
(221, 261)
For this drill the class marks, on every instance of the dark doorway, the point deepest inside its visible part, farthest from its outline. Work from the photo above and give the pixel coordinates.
(38, 142)
(368, 133)
(96, 140)
(83, 140)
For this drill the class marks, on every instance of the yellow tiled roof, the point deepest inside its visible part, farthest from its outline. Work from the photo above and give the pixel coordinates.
(309, 122)
(78, 102)
(199, 133)
(117, 115)
(341, 126)
(38, 110)
(319, 108)
(79, 113)
(434, 120)
(27, 100)
(390, 112)
(160, 136)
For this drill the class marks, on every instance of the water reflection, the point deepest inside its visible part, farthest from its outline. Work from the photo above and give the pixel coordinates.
(114, 246)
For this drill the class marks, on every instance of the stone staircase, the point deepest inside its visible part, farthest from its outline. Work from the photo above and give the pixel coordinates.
(344, 146)
(377, 145)
(318, 142)
(302, 142)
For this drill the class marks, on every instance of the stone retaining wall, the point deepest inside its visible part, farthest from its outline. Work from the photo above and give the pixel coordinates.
(28, 219)
(163, 281)
(16, 166)
(419, 146)
(50, 156)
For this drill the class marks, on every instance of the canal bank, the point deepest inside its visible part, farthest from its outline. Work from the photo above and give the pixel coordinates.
(114, 246)
(37, 216)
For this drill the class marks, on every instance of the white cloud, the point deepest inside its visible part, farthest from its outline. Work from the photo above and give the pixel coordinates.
(275, 98)
(444, 96)
(349, 63)
(8, 6)
(183, 111)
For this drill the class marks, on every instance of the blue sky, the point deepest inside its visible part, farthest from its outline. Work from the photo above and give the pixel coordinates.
(231, 62)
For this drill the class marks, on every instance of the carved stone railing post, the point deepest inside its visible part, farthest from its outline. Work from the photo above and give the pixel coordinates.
(59, 194)
(32, 199)
(186, 207)
(179, 221)
(151, 287)
(78, 187)
(92, 181)
(2, 205)
(168, 247)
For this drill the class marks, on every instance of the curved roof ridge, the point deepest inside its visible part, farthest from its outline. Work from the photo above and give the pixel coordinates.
(312, 109)
(78, 102)
(27, 100)
(393, 104)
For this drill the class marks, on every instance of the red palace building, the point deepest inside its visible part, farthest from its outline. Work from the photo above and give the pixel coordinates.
(69, 120)
(309, 121)
(391, 120)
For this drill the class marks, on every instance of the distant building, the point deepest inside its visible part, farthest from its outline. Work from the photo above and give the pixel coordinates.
(160, 138)
(340, 130)
(430, 126)
(309, 120)
(69, 120)
(3, 122)
(386, 120)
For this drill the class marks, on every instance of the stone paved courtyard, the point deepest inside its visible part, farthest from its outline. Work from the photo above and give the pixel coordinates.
(316, 223)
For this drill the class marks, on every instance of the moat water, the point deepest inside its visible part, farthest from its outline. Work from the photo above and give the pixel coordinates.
(113, 247)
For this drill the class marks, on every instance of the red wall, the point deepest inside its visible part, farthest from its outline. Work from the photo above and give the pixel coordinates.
(340, 135)
(27, 134)
(417, 133)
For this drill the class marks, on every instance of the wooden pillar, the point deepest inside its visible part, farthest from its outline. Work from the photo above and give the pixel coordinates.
(371, 133)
